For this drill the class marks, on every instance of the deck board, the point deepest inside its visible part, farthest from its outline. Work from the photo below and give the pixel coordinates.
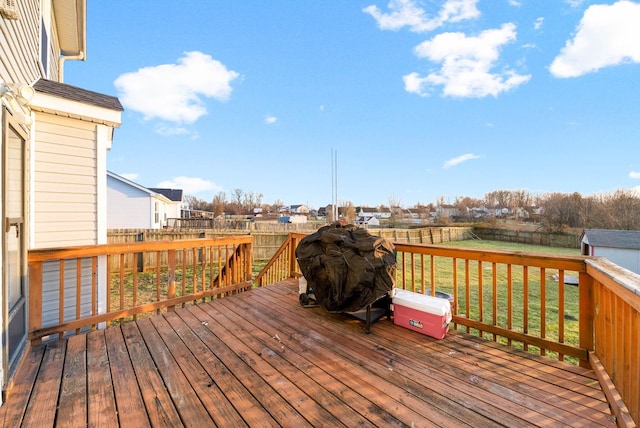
(260, 359)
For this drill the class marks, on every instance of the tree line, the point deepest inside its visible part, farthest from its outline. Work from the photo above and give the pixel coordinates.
(555, 212)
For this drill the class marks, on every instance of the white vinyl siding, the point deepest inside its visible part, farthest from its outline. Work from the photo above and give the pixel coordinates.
(627, 258)
(51, 294)
(128, 207)
(20, 46)
(65, 204)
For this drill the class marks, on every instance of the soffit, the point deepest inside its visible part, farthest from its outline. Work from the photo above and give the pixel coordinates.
(70, 21)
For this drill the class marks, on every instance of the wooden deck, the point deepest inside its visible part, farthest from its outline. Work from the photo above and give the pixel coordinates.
(260, 359)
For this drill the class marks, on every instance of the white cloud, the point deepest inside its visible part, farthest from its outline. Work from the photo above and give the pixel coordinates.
(466, 64)
(537, 25)
(574, 3)
(132, 176)
(514, 3)
(634, 174)
(407, 13)
(270, 120)
(166, 131)
(174, 92)
(456, 161)
(607, 35)
(190, 185)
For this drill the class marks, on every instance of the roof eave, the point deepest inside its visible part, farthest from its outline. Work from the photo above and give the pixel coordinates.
(71, 26)
(58, 106)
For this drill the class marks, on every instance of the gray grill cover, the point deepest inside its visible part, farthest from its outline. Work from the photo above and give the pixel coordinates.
(346, 267)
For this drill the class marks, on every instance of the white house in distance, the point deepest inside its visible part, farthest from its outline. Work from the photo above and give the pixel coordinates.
(132, 206)
(55, 139)
(621, 247)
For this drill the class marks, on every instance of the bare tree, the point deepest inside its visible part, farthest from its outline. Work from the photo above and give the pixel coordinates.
(623, 208)
(349, 211)
(561, 211)
(194, 203)
(218, 204)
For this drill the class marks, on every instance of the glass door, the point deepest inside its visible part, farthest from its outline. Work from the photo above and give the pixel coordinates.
(14, 281)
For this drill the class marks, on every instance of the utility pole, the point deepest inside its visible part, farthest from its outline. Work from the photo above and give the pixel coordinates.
(334, 184)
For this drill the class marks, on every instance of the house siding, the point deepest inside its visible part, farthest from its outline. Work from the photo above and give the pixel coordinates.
(51, 295)
(128, 207)
(627, 258)
(20, 45)
(65, 206)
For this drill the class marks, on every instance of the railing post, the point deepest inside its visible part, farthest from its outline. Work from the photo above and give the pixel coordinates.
(171, 273)
(35, 298)
(293, 244)
(249, 261)
(586, 317)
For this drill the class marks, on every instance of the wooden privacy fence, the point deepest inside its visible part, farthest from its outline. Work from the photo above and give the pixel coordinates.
(85, 291)
(523, 300)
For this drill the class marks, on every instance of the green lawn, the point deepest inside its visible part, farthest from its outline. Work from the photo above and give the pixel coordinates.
(510, 288)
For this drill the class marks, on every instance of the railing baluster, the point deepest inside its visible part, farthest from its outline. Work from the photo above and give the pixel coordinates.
(171, 277)
(480, 294)
(122, 291)
(525, 303)
(134, 289)
(509, 300)
(61, 296)
(78, 290)
(467, 290)
(35, 298)
(158, 271)
(94, 289)
(561, 310)
(494, 286)
(543, 307)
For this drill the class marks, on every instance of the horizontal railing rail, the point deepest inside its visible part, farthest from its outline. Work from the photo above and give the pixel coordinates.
(72, 289)
(581, 309)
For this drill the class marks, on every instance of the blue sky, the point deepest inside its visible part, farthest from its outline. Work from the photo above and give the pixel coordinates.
(421, 100)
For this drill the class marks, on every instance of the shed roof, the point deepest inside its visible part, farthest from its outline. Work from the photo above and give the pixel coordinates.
(629, 239)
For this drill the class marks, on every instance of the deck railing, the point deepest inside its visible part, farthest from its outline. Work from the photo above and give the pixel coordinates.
(580, 309)
(76, 288)
(524, 300)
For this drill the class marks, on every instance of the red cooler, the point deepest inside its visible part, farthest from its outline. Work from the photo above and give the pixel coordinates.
(425, 314)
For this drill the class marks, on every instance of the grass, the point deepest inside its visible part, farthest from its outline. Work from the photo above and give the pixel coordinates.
(152, 287)
(510, 290)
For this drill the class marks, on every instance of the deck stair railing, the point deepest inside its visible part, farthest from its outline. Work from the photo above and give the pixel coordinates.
(583, 310)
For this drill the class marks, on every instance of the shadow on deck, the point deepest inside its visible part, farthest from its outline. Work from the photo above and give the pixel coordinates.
(260, 359)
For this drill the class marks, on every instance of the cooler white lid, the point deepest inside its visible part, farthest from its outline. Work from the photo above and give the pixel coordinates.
(421, 302)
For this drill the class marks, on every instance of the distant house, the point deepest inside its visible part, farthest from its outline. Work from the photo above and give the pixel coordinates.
(379, 213)
(621, 247)
(132, 206)
(447, 211)
(299, 209)
(367, 221)
(174, 209)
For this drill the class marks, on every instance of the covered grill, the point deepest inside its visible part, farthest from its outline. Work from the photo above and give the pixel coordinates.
(347, 268)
